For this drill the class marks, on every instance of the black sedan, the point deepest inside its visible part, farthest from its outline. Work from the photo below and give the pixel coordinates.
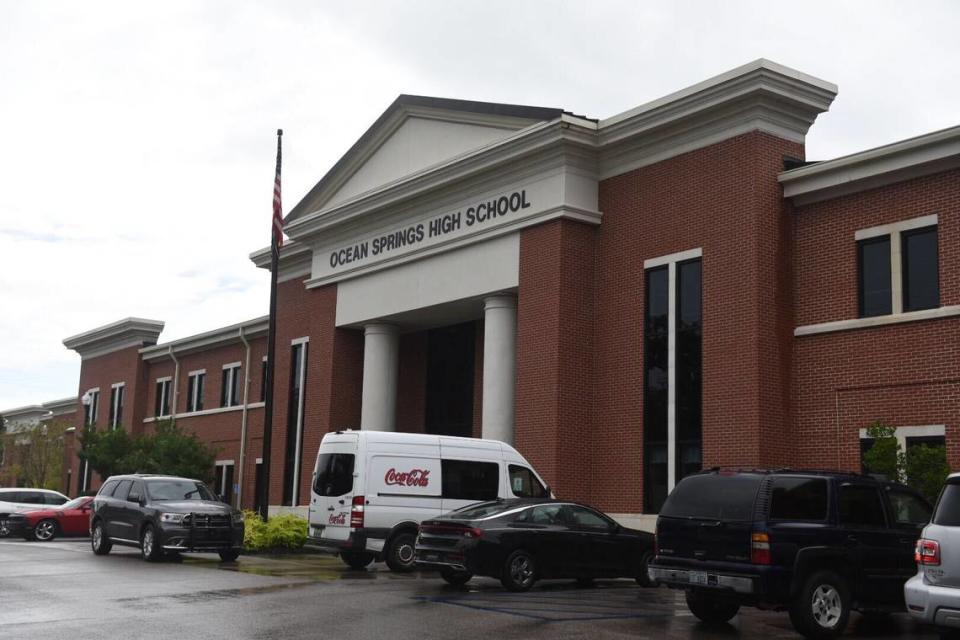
(522, 541)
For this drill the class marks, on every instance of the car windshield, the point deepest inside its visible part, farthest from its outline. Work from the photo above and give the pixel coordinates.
(76, 503)
(162, 490)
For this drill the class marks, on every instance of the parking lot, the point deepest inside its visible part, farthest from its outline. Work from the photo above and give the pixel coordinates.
(60, 589)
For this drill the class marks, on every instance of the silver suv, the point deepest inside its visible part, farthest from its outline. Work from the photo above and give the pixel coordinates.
(933, 595)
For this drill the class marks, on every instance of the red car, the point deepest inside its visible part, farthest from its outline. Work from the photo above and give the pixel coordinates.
(70, 519)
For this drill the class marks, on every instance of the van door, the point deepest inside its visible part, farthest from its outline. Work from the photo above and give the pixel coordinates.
(331, 494)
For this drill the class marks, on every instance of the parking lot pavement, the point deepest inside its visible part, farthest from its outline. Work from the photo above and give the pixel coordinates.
(60, 589)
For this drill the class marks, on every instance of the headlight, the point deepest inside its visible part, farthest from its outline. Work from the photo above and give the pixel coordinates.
(176, 518)
(237, 518)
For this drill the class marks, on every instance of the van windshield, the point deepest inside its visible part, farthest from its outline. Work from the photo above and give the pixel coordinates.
(334, 474)
(713, 497)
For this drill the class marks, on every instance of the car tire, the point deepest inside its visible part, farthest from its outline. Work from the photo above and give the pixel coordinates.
(710, 609)
(400, 555)
(644, 578)
(229, 556)
(453, 577)
(99, 541)
(45, 531)
(150, 547)
(821, 609)
(4, 527)
(356, 560)
(519, 571)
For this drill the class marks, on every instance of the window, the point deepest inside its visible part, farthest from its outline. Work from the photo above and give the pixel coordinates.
(108, 489)
(948, 506)
(294, 448)
(714, 497)
(860, 507)
(224, 480)
(136, 492)
(53, 499)
(524, 484)
(230, 385)
(263, 380)
(195, 384)
(176, 490)
(120, 493)
(91, 400)
(583, 517)
(466, 480)
(162, 404)
(898, 267)
(116, 405)
(673, 374)
(547, 514)
(907, 509)
(799, 499)
(334, 474)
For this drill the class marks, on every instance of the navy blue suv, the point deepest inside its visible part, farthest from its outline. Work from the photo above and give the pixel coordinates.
(816, 544)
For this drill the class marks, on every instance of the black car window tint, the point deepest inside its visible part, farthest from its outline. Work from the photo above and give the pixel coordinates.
(798, 499)
(468, 480)
(108, 489)
(10, 496)
(176, 490)
(545, 514)
(524, 484)
(948, 507)
(907, 509)
(860, 506)
(583, 517)
(32, 497)
(334, 474)
(120, 493)
(136, 492)
(714, 496)
(53, 499)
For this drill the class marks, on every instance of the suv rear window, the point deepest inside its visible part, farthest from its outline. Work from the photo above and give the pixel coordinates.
(334, 474)
(713, 497)
(948, 507)
(798, 499)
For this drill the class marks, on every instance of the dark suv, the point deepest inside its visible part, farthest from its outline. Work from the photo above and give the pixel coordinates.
(816, 544)
(163, 513)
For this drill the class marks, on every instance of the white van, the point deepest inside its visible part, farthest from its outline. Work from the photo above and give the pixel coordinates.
(371, 489)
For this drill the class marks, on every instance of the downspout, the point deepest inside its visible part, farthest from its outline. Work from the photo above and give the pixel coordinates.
(176, 383)
(243, 420)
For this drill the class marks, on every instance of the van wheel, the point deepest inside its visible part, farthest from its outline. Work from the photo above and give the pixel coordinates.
(356, 560)
(454, 577)
(401, 554)
(710, 609)
(519, 571)
(822, 607)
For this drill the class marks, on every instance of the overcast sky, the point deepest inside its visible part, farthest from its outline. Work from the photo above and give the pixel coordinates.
(137, 144)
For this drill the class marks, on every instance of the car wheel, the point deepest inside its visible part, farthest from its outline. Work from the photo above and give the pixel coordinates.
(356, 560)
(710, 609)
(822, 607)
(519, 571)
(150, 544)
(644, 578)
(400, 555)
(45, 531)
(454, 577)
(99, 541)
(229, 556)
(4, 528)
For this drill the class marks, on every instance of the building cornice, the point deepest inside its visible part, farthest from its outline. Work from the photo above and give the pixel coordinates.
(911, 158)
(129, 332)
(295, 259)
(216, 338)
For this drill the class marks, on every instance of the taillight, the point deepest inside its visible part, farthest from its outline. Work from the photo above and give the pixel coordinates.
(760, 548)
(927, 552)
(472, 532)
(356, 512)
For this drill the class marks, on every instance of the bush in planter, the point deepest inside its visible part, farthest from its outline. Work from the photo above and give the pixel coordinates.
(285, 531)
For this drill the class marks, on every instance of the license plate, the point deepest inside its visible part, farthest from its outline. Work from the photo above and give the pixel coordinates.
(698, 577)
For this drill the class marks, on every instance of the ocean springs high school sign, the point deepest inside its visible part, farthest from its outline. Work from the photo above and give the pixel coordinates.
(435, 229)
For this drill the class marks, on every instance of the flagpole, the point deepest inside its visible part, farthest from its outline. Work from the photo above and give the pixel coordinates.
(276, 239)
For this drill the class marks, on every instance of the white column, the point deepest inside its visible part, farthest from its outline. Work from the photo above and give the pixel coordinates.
(380, 361)
(499, 366)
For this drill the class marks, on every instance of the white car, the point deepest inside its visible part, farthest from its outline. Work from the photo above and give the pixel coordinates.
(933, 595)
(17, 500)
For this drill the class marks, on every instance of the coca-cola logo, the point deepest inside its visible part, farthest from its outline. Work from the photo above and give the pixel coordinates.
(338, 519)
(412, 478)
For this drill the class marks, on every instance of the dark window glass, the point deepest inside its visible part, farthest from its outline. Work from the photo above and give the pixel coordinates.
(865, 445)
(224, 387)
(163, 398)
(656, 332)
(113, 418)
(860, 506)
(578, 516)
(120, 493)
(948, 506)
(546, 514)
(524, 484)
(175, 490)
(224, 482)
(53, 499)
(873, 263)
(298, 354)
(136, 492)
(799, 499)
(907, 509)
(450, 368)
(689, 369)
(930, 441)
(32, 497)
(334, 474)
(465, 480)
(921, 273)
(108, 488)
(714, 497)
(263, 382)
(10, 496)
(92, 408)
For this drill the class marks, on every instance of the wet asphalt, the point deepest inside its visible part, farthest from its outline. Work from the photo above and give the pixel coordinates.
(61, 590)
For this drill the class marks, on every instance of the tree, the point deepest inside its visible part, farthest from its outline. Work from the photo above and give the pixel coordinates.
(923, 467)
(168, 450)
(884, 456)
(37, 454)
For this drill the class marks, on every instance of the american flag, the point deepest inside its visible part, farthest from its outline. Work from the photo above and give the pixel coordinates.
(277, 207)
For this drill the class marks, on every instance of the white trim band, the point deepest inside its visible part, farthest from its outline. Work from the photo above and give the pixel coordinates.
(680, 256)
(878, 321)
(204, 412)
(896, 227)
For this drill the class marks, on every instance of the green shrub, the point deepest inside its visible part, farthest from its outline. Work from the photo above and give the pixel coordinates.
(926, 469)
(286, 531)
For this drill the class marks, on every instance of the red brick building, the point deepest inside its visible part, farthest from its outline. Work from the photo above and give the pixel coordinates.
(625, 300)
